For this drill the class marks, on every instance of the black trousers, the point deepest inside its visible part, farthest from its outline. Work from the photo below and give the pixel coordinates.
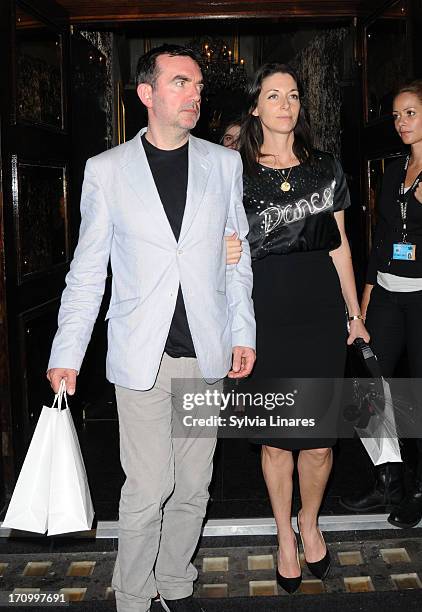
(394, 321)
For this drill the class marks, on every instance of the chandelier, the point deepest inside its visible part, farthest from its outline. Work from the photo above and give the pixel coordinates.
(219, 67)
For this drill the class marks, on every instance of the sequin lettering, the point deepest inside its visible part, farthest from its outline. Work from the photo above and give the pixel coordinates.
(274, 216)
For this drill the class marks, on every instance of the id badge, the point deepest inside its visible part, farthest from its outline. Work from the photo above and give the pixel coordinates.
(404, 251)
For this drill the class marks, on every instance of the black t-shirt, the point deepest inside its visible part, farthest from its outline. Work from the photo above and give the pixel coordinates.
(170, 172)
(389, 227)
(301, 219)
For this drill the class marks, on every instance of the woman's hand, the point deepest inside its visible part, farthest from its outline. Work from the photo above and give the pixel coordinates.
(357, 330)
(233, 249)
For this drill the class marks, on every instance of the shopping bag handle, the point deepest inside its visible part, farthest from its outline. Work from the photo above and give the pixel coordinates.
(58, 398)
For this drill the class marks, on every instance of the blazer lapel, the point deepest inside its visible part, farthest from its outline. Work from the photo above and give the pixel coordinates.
(138, 174)
(199, 168)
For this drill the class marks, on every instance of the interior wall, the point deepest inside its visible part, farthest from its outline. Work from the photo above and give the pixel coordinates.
(319, 67)
(318, 55)
(103, 42)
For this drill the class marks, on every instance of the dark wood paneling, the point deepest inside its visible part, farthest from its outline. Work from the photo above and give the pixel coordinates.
(6, 455)
(415, 13)
(133, 10)
(33, 139)
(6, 446)
(47, 10)
(36, 329)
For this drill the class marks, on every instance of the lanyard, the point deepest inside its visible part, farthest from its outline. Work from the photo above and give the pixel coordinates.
(404, 200)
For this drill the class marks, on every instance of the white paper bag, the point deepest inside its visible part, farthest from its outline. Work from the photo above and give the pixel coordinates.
(70, 506)
(52, 489)
(382, 450)
(379, 437)
(28, 508)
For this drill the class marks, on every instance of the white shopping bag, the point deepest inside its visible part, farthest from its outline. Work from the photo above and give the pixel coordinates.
(70, 506)
(52, 489)
(28, 508)
(379, 437)
(382, 450)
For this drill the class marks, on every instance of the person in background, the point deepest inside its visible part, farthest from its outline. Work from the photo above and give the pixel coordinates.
(230, 137)
(392, 298)
(294, 197)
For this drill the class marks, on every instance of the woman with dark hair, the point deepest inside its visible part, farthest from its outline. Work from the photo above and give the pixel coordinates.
(230, 135)
(392, 298)
(294, 197)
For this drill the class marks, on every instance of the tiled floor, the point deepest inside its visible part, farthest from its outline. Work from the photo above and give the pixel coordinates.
(236, 571)
(358, 566)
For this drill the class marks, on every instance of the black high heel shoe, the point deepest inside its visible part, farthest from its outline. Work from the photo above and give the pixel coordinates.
(290, 585)
(319, 568)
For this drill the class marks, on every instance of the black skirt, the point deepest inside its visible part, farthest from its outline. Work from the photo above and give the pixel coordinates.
(301, 332)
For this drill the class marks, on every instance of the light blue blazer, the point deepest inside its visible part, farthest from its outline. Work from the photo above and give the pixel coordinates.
(123, 220)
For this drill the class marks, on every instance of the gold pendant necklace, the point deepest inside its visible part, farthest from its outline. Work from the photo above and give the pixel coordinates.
(285, 185)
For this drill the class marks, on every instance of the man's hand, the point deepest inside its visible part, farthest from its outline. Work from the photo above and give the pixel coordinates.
(243, 361)
(56, 375)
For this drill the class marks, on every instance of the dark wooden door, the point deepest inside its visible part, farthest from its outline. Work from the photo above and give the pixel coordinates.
(387, 45)
(36, 231)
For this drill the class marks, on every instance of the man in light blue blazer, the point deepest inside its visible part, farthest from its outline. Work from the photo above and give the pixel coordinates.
(159, 207)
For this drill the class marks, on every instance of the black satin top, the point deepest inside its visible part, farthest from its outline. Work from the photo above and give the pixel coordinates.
(298, 220)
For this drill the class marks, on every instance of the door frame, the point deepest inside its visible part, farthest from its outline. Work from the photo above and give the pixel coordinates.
(15, 300)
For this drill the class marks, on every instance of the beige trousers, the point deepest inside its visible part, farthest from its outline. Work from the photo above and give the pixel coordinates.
(165, 494)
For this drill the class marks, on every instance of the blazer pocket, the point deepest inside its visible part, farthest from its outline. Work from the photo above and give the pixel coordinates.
(221, 292)
(123, 308)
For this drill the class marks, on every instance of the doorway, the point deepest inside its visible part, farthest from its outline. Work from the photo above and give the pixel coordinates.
(44, 150)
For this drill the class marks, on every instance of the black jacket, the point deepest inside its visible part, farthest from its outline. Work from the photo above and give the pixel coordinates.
(389, 228)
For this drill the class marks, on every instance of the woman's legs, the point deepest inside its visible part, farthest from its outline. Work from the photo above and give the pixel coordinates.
(409, 511)
(413, 310)
(314, 467)
(277, 467)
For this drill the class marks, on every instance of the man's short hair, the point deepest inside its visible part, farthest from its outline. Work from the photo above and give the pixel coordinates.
(147, 70)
